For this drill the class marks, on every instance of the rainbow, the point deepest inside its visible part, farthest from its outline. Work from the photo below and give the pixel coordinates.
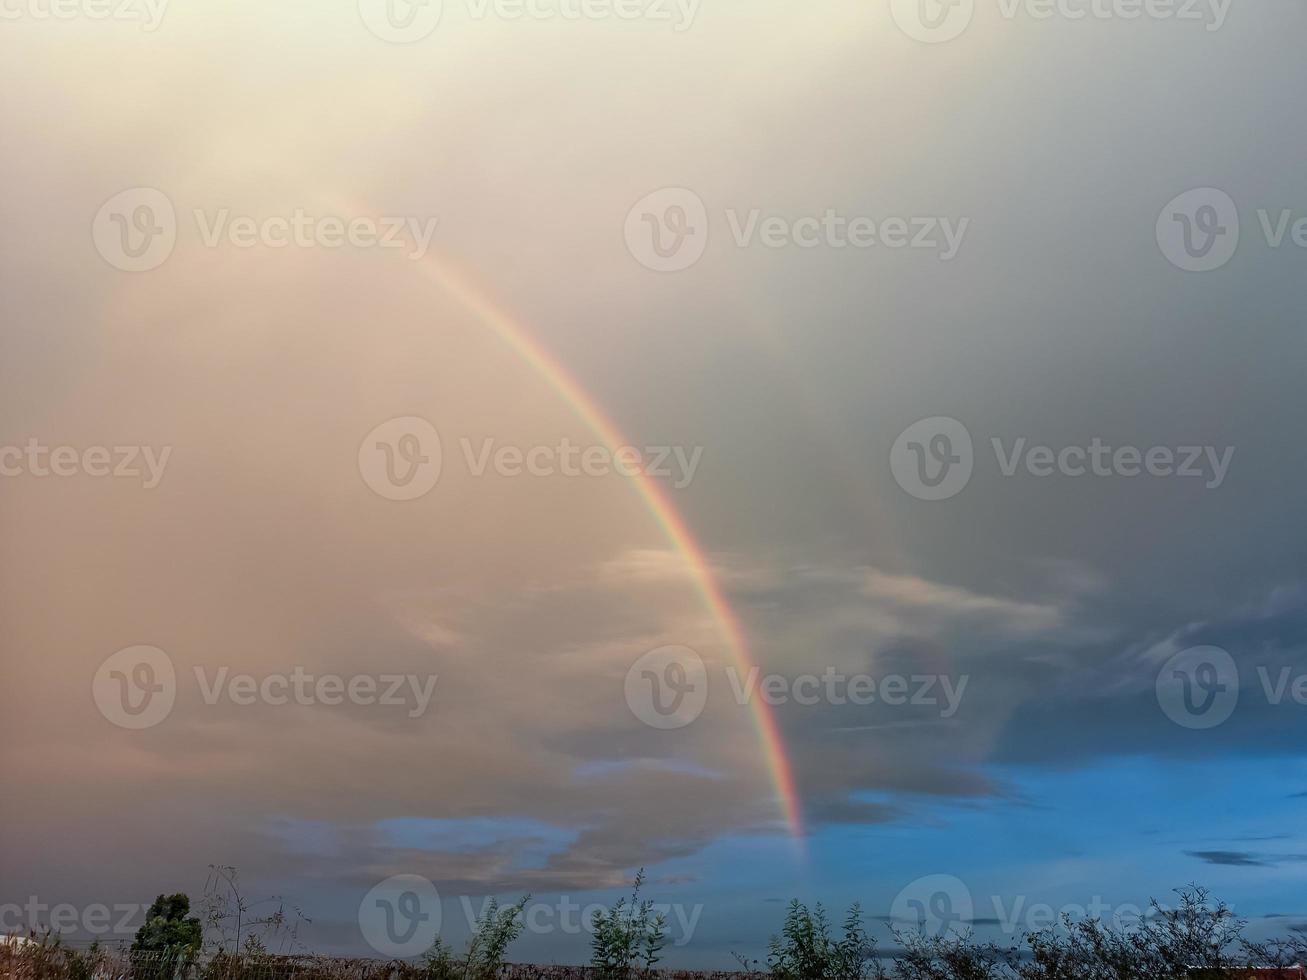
(557, 376)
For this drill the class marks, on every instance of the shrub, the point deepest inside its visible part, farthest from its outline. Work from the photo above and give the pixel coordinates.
(626, 936)
(948, 957)
(496, 929)
(170, 938)
(805, 949)
(1194, 940)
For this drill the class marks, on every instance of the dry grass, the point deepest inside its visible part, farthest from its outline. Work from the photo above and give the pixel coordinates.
(55, 962)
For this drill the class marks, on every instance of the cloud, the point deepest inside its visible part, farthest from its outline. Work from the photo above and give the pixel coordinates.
(1110, 688)
(912, 593)
(1245, 859)
(263, 550)
(1237, 859)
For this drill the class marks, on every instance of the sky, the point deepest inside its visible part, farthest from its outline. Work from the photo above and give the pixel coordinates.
(845, 451)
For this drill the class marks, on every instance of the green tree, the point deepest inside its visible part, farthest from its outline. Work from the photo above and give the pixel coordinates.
(169, 939)
(495, 930)
(626, 936)
(806, 950)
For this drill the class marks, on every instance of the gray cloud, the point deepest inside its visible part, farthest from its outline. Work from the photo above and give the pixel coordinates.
(1236, 859)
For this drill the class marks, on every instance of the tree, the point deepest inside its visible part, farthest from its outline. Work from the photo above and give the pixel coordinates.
(495, 930)
(626, 936)
(170, 937)
(1196, 939)
(805, 949)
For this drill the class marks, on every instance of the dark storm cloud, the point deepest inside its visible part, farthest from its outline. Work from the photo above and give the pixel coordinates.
(1234, 859)
(795, 371)
(1104, 702)
(1246, 859)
